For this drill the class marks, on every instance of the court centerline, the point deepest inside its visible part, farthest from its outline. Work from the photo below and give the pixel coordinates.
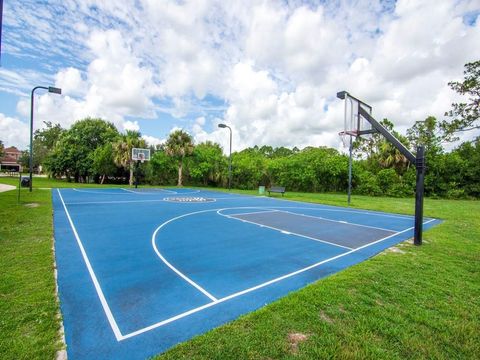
(232, 296)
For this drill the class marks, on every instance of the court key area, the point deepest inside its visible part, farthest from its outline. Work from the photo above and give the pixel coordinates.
(141, 270)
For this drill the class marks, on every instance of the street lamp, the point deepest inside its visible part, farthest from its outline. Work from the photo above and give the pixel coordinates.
(229, 156)
(50, 89)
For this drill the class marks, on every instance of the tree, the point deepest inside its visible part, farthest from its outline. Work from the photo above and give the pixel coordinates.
(207, 163)
(2, 149)
(248, 169)
(465, 115)
(381, 152)
(430, 134)
(162, 169)
(427, 133)
(122, 150)
(103, 163)
(179, 145)
(44, 141)
(390, 157)
(469, 152)
(282, 152)
(73, 154)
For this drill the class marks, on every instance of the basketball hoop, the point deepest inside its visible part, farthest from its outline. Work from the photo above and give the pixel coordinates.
(140, 154)
(353, 123)
(344, 134)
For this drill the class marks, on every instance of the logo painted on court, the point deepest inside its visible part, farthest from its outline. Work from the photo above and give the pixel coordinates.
(188, 199)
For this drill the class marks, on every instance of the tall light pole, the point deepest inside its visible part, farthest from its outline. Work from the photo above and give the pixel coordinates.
(50, 89)
(229, 156)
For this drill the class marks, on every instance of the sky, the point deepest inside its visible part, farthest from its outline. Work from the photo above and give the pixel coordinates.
(268, 69)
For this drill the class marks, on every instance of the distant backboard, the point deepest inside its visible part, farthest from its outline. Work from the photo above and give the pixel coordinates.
(140, 154)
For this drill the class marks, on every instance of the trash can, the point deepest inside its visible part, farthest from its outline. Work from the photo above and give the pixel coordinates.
(261, 190)
(25, 182)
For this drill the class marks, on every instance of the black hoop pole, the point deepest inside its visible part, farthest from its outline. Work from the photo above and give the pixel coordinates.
(420, 165)
(418, 160)
(136, 174)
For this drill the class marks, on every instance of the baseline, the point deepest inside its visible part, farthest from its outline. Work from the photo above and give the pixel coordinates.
(335, 208)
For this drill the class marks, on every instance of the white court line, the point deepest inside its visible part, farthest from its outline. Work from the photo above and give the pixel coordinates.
(137, 201)
(178, 272)
(283, 231)
(253, 212)
(215, 301)
(115, 202)
(148, 193)
(338, 208)
(237, 294)
(105, 306)
(338, 221)
(101, 192)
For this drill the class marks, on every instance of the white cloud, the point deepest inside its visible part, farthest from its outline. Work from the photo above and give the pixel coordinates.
(14, 132)
(151, 140)
(274, 66)
(131, 125)
(71, 82)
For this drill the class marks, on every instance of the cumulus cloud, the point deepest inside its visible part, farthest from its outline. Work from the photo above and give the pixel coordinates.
(71, 82)
(269, 69)
(14, 132)
(152, 140)
(131, 125)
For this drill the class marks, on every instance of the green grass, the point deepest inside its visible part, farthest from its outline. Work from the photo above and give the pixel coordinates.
(416, 302)
(29, 325)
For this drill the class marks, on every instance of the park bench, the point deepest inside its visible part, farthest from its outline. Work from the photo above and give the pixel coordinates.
(276, 189)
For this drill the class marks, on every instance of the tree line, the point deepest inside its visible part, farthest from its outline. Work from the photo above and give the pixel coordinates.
(93, 150)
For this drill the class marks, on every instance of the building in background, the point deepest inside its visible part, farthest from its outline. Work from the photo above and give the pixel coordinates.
(10, 161)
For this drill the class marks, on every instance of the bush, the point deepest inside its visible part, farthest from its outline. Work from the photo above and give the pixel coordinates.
(387, 178)
(367, 184)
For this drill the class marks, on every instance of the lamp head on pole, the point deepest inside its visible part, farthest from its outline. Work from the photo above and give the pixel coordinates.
(54, 90)
(222, 126)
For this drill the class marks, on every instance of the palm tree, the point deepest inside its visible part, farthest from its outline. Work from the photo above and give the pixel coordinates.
(390, 156)
(178, 145)
(122, 150)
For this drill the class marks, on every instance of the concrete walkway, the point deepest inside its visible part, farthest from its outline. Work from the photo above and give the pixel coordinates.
(4, 187)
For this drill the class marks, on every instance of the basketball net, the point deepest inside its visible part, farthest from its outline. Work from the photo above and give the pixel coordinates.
(347, 136)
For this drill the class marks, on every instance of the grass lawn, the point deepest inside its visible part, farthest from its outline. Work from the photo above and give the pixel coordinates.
(414, 302)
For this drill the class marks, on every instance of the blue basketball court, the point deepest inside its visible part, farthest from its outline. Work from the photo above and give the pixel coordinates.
(142, 270)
